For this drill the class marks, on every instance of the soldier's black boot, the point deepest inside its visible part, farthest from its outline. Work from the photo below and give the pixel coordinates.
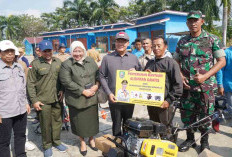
(204, 142)
(189, 142)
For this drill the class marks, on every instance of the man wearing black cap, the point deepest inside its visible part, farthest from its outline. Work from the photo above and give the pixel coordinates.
(37, 53)
(45, 93)
(61, 54)
(120, 59)
(195, 54)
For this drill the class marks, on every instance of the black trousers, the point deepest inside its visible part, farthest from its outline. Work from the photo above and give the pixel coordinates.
(120, 112)
(18, 124)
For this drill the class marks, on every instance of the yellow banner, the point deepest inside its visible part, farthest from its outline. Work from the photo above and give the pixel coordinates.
(138, 87)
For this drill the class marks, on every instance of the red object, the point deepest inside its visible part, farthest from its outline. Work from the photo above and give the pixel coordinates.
(215, 125)
(121, 33)
(103, 114)
(66, 119)
(33, 40)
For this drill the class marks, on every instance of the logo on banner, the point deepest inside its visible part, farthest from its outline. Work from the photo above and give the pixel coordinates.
(121, 74)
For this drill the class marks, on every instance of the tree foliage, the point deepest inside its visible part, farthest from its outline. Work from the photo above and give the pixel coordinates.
(104, 12)
(16, 28)
(30, 26)
(78, 10)
(9, 27)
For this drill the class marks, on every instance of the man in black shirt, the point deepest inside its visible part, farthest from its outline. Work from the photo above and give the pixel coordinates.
(173, 82)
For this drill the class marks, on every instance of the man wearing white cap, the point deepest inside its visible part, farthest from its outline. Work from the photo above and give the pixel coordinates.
(13, 101)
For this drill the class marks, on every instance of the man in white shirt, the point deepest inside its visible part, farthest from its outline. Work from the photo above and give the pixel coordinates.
(148, 55)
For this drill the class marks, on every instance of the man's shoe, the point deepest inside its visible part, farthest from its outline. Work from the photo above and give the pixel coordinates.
(29, 146)
(189, 142)
(61, 148)
(186, 145)
(48, 152)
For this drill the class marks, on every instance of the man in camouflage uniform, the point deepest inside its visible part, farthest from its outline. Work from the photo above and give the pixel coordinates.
(195, 54)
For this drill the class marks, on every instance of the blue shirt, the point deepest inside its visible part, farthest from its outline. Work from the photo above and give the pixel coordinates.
(224, 76)
(13, 98)
(138, 53)
(25, 60)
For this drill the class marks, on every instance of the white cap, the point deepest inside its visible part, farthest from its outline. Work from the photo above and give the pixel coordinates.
(7, 44)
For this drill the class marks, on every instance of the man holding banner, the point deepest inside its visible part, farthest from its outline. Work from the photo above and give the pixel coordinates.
(120, 59)
(173, 81)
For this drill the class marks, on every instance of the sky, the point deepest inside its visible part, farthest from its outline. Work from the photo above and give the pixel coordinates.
(35, 7)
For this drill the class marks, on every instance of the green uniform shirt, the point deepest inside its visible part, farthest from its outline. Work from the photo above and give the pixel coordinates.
(196, 55)
(42, 82)
(74, 77)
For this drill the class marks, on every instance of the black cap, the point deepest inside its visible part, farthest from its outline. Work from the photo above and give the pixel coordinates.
(62, 45)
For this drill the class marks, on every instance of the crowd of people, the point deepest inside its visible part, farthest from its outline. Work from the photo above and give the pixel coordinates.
(50, 81)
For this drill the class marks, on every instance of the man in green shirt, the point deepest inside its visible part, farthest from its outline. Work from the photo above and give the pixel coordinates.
(195, 54)
(45, 93)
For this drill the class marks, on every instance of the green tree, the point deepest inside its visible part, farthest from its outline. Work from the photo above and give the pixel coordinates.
(16, 28)
(229, 29)
(130, 12)
(209, 8)
(138, 7)
(65, 17)
(126, 14)
(30, 26)
(147, 7)
(154, 6)
(9, 27)
(229, 33)
(182, 5)
(103, 11)
(3, 25)
(79, 10)
(52, 21)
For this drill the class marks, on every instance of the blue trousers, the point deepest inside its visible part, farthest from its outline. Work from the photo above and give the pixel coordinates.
(229, 102)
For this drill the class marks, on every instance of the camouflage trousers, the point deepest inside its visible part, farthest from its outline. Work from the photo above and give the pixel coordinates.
(201, 102)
